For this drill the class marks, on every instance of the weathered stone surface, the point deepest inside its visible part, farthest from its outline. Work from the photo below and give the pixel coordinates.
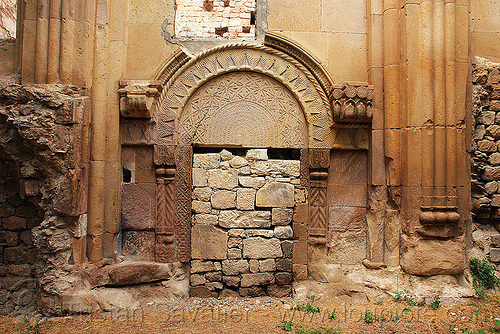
(257, 154)
(279, 291)
(254, 266)
(495, 201)
(231, 280)
(282, 278)
(20, 270)
(201, 266)
(225, 155)
(275, 195)
(138, 209)
(138, 245)
(283, 232)
(493, 131)
(494, 159)
(223, 199)
(205, 219)
(495, 240)
(487, 117)
(202, 292)
(6, 210)
(479, 132)
(202, 194)
(239, 233)
(200, 177)
(234, 242)
(492, 174)
(300, 272)
(222, 179)
(245, 199)
(495, 105)
(128, 273)
(282, 216)
(487, 146)
(251, 181)
(259, 233)
(14, 223)
(214, 276)
(287, 247)
(238, 162)
(284, 265)
(235, 267)
(495, 255)
(260, 248)
(213, 286)
(248, 280)
(228, 293)
(234, 253)
(244, 219)
(267, 265)
(208, 242)
(14, 254)
(432, 257)
(491, 187)
(197, 279)
(206, 161)
(253, 291)
(201, 207)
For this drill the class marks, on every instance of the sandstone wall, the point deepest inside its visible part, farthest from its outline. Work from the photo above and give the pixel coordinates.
(485, 29)
(486, 160)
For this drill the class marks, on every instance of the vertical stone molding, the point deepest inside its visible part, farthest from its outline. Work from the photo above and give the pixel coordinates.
(424, 107)
(183, 184)
(319, 161)
(165, 213)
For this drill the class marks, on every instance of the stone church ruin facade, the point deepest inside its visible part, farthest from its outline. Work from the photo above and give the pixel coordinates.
(213, 148)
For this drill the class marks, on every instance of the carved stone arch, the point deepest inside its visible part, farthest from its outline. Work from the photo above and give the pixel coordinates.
(191, 74)
(181, 118)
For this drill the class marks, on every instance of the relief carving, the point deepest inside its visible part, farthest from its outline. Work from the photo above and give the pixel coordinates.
(352, 102)
(137, 97)
(319, 161)
(250, 110)
(288, 72)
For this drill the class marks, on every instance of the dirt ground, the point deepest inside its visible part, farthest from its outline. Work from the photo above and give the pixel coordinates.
(263, 315)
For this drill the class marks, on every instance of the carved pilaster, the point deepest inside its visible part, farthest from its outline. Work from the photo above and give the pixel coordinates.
(137, 97)
(164, 156)
(319, 161)
(183, 182)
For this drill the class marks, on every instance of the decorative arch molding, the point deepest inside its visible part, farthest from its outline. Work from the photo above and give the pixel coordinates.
(182, 77)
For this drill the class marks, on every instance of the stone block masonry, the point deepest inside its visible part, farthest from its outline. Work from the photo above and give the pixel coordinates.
(486, 161)
(221, 19)
(241, 241)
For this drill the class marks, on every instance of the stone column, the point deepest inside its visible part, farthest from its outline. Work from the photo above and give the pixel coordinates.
(430, 113)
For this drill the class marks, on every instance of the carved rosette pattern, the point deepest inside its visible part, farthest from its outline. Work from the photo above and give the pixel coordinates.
(319, 161)
(246, 58)
(246, 109)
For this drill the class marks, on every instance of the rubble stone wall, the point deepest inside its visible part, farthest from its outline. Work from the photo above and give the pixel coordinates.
(17, 252)
(242, 223)
(486, 160)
